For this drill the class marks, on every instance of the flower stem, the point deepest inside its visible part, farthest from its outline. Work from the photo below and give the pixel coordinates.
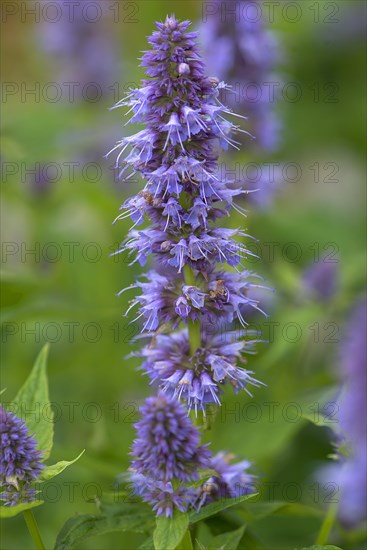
(193, 326)
(327, 524)
(33, 529)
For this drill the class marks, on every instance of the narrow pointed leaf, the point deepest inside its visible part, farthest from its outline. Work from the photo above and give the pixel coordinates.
(55, 469)
(33, 404)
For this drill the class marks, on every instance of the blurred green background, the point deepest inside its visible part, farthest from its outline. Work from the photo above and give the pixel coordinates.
(59, 283)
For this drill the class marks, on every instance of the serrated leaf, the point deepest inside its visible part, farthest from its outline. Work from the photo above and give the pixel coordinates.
(11, 511)
(33, 396)
(215, 507)
(169, 532)
(55, 469)
(83, 527)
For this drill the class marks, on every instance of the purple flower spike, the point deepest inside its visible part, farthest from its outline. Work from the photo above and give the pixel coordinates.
(20, 461)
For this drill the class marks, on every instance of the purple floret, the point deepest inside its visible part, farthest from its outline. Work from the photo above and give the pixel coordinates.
(161, 494)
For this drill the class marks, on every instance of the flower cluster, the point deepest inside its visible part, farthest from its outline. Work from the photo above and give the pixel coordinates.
(244, 53)
(199, 282)
(198, 378)
(167, 457)
(20, 461)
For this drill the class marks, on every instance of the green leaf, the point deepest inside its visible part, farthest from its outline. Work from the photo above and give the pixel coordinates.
(317, 547)
(250, 542)
(55, 469)
(34, 405)
(215, 507)
(186, 542)
(228, 541)
(170, 531)
(10, 511)
(259, 510)
(83, 527)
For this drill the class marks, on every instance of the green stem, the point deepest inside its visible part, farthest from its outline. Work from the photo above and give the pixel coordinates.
(327, 524)
(193, 326)
(33, 529)
(194, 335)
(186, 543)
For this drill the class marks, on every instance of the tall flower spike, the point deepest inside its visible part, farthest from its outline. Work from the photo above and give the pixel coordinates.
(184, 196)
(20, 461)
(167, 455)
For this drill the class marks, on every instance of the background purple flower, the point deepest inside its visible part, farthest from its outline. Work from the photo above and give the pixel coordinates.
(83, 50)
(242, 51)
(320, 280)
(353, 418)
